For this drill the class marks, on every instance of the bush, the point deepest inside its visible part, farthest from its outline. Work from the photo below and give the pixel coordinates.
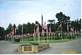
(2, 37)
(34, 43)
(17, 40)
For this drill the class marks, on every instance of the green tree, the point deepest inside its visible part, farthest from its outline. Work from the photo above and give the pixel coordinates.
(51, 25)
(19, 29)
(2, 33)
(51, 21)
(27, 28)
(76, 24)
(63, 20)
(9, 29)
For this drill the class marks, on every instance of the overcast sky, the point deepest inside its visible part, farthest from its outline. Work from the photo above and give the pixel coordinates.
(23, 11)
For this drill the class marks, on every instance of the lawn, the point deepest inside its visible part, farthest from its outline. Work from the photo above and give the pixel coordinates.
(42, 41)
(51, 39)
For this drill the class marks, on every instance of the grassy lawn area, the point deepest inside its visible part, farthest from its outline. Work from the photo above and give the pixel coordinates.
(53, 39)
(42, 41)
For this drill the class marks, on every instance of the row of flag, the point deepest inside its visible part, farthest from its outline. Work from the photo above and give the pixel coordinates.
(46, 28)
(13, 32)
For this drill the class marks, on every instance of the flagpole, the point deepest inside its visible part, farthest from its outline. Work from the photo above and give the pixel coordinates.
(34, 34)
(38, 34)
(61, 30)
(47, 35)
(22, 33)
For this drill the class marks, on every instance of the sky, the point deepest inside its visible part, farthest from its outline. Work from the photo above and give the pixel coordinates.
(24, 11)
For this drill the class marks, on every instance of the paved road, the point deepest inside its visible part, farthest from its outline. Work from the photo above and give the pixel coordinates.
(64, 48)
(55, 48)
(7, 47)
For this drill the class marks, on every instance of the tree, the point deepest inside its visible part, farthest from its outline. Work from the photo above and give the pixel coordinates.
(9, 29)
(51, 25)
(76, 24)
(27, 28)
(63, 20)
(19, 29)
(2, 33)
(51, 21)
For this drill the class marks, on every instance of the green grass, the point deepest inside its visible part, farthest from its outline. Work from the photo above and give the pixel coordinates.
(50, 40)
(42, 41)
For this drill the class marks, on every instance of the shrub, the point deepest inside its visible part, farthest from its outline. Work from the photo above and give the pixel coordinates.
(17, 40)
(34, 43)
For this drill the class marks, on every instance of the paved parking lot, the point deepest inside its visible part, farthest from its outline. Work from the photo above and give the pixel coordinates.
(74, 46)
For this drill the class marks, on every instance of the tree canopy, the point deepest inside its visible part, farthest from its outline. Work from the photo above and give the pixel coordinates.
(63, 20)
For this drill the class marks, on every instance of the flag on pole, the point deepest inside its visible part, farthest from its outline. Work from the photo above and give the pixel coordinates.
(34, 34)
(13, 31)
(37, 30)
(49, 31)
(60, 25)
(72, 29)
(43, 31)
(45, 26)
